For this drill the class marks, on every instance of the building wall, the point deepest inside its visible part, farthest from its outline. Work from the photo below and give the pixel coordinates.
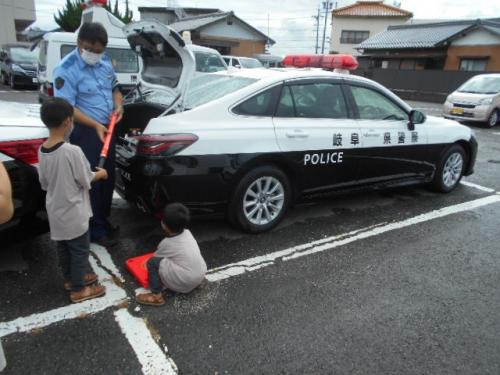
(15, 13)
(477, 38)
(374, 25)
(234, 31)
(456, 53)
(248, 48)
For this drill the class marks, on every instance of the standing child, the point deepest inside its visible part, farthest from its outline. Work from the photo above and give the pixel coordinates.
(65, 174)
(177, 263)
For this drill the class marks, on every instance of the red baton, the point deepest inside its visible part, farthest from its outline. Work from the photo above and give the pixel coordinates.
(107, 140)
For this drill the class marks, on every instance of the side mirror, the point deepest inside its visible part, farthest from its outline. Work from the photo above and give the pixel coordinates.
(415, 117)
(238, 66)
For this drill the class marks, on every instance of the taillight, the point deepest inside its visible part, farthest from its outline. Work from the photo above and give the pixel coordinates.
(164, 145)
(50, 88)
(25, 150)
(337, 61)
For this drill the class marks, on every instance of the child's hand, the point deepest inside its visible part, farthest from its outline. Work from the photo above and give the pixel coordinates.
(101, 174)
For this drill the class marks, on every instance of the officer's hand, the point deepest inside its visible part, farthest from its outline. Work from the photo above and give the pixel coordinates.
(101, 132)
(118, 111)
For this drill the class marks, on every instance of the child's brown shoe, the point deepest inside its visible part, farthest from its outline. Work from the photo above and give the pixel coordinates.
(88, 279)
(88, 292)
(151, 299)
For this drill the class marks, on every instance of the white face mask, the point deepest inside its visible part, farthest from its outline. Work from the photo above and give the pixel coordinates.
(91, 58)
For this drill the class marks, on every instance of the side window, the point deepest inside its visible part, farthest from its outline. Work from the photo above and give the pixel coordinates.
(235, 62)
(65, 49)
(261, 105)
(375, 106)
(316, 100)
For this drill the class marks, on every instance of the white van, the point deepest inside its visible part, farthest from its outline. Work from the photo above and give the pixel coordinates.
(55, 46)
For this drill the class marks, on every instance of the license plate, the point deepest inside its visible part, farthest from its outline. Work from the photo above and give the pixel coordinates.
(457, 111)
(35, 80)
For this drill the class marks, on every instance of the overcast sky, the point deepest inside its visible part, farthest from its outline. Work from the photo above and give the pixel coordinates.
(292, 26)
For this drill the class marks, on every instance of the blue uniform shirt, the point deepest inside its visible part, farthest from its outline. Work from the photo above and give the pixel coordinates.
(86, 87)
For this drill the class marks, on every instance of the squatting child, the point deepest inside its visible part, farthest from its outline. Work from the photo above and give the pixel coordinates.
(177, 264)
(65, 174)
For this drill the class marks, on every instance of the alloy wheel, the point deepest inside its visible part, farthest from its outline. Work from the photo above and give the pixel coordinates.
(452, 170)
(263, 200)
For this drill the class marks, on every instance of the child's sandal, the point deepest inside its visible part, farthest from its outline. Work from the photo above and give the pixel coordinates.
(151, 299)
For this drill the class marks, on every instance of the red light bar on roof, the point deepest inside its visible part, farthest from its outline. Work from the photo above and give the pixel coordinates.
(322, 61)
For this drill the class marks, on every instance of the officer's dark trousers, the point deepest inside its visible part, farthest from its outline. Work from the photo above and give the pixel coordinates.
(101, 194)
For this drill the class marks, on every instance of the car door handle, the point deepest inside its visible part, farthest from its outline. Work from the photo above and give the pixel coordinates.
(297, 134)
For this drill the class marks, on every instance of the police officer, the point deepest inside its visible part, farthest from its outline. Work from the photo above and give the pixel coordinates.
(86, 79)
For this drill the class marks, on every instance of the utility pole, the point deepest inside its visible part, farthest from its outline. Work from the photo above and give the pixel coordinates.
(327, 6)
(317, 17)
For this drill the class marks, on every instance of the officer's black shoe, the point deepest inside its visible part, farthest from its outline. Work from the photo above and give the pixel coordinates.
(106, 242)
(113, 230)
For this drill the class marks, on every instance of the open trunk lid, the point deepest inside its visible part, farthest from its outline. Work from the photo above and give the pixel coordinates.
(168, 65)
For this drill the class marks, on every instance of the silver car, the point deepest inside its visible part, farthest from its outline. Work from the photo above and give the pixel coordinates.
(478, 99)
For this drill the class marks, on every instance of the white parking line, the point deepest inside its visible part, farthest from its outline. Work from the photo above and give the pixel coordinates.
(105, 259)
(330, 243)
(114, 296)
(476, 186)
(152, 359)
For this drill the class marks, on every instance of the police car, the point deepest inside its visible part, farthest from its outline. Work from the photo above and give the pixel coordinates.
(252, 142)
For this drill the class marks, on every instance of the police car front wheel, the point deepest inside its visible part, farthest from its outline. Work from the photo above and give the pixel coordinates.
(450, 169)
(260, 199)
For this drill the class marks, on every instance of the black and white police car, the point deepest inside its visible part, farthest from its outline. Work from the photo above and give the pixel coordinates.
(252, 142)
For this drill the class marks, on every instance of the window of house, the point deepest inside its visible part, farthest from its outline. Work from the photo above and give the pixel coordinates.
(473, 65)
(353, 36)
(407, 64)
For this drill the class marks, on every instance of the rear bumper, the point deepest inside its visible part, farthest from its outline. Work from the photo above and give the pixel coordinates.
(151, 184)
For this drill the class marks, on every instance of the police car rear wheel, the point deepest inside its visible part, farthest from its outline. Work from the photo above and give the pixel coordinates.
(260, 200)
(450, 170)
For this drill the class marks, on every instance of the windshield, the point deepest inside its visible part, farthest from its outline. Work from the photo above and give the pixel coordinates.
(481, 85)
(208, 62)
(124, 60)
(250, 63)
(24, 55)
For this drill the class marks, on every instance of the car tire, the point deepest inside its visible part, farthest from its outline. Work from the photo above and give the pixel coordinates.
(12, 83)
(260, 199)
(493, 119)
(450, 169)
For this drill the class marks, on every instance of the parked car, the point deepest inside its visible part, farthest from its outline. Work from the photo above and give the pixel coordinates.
(270, 61)
(251, 142)
(21, 135)
(208, 60)
(18, 65)
(55, 46)
(478, 99)
(242, 62)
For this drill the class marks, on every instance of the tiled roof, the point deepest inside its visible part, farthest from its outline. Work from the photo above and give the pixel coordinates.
(370, 9)
(193, 23)
(423, 35)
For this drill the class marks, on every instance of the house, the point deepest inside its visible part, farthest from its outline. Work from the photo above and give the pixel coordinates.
(223, 31)
(355, 23)
(14, 18)
(467, 45)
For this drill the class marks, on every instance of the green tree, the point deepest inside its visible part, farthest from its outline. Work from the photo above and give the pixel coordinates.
(69, 17)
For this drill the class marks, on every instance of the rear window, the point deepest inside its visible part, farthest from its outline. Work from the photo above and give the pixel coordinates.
(124, 60)
(205, 88)
(250, 63)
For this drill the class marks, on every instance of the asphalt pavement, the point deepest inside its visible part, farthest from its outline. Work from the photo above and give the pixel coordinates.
(395, 282)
